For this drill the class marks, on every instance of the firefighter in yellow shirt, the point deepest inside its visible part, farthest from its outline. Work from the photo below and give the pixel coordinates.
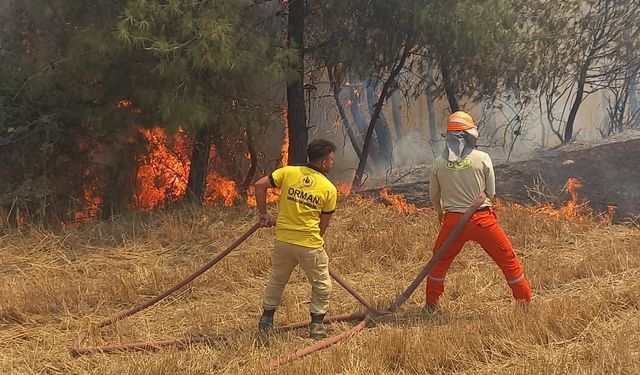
(307, 201)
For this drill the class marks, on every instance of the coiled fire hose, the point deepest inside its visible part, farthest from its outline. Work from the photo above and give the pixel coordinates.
(401, 299)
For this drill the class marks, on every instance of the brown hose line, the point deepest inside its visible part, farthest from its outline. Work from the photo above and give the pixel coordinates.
(156, 345)
(145, 346)
(209, 340)
(343, 283)
(319, 345)
(401, 299)
(328, 319)
(136, 309)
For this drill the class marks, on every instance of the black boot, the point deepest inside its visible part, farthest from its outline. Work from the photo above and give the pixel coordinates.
(266, 320)
(316, 329)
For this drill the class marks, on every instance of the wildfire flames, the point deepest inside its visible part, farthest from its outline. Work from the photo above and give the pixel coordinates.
(273, 195)
(90, 205)
(344, 189)
(398, 202)
(221, 190)
(164, 172)
(575, 208)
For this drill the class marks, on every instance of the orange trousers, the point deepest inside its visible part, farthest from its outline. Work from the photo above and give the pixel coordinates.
(482, 228)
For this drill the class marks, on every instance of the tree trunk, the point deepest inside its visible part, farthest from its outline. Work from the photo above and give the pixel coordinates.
(296, 115)
(631, 83)
(353, 138)
(383, 134)
(434, 137)
(397, 116)
(199, 169)
(582, 78)
(449, 87)
(358, 120)
(121, 175)
(605, 128)
(253, 158)
(357, 180)
(622, 109)
(631, 86)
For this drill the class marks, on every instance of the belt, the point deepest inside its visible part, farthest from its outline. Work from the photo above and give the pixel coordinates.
(487, 208)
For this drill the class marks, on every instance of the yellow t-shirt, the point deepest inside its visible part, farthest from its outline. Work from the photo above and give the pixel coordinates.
(305, 194)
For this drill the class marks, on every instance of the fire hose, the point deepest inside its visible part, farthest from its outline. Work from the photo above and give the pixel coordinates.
(79, 350)
(344, 284)
(399, 301)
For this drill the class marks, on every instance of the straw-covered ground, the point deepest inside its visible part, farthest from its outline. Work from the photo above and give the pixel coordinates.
(584, 319)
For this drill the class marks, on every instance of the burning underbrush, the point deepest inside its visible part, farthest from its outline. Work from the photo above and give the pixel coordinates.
(584, 317)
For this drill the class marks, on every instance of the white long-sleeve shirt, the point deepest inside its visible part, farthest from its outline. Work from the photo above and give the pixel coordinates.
(455, 185)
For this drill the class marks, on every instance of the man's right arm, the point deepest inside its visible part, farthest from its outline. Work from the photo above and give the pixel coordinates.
(261, 198)
(435, 193)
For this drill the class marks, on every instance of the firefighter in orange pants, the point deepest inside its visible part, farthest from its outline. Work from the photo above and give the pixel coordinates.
(458, 177)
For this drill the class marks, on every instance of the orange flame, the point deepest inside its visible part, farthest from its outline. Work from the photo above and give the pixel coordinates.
(611, 213)
(273, 195)
(221, 189)
(90, 205)
(344, 189)
(124, 103)
(398, 202)
(575, 209)
(22, 218)
(163, 174)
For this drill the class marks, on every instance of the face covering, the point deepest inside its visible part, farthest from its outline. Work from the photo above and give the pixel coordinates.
(460, 144)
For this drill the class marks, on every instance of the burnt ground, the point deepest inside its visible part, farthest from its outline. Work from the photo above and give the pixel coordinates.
(609, 172)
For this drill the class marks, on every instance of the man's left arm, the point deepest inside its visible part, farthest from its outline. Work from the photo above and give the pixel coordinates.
(324, 223)
(327, 210)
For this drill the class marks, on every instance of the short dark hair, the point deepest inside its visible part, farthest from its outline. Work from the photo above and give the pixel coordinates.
(319, 149)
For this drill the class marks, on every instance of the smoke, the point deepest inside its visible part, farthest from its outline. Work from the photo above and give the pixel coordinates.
(510, 130)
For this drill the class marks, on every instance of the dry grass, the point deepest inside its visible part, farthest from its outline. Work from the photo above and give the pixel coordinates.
(584, 318)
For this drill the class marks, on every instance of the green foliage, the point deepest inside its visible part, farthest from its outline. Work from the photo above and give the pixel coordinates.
(364, 36)
(477, 42)
(187, 64)
(65, 65)
(197, 61)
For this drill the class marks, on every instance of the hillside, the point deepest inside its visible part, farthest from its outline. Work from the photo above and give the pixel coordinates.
(609, 171)
(584, 318)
